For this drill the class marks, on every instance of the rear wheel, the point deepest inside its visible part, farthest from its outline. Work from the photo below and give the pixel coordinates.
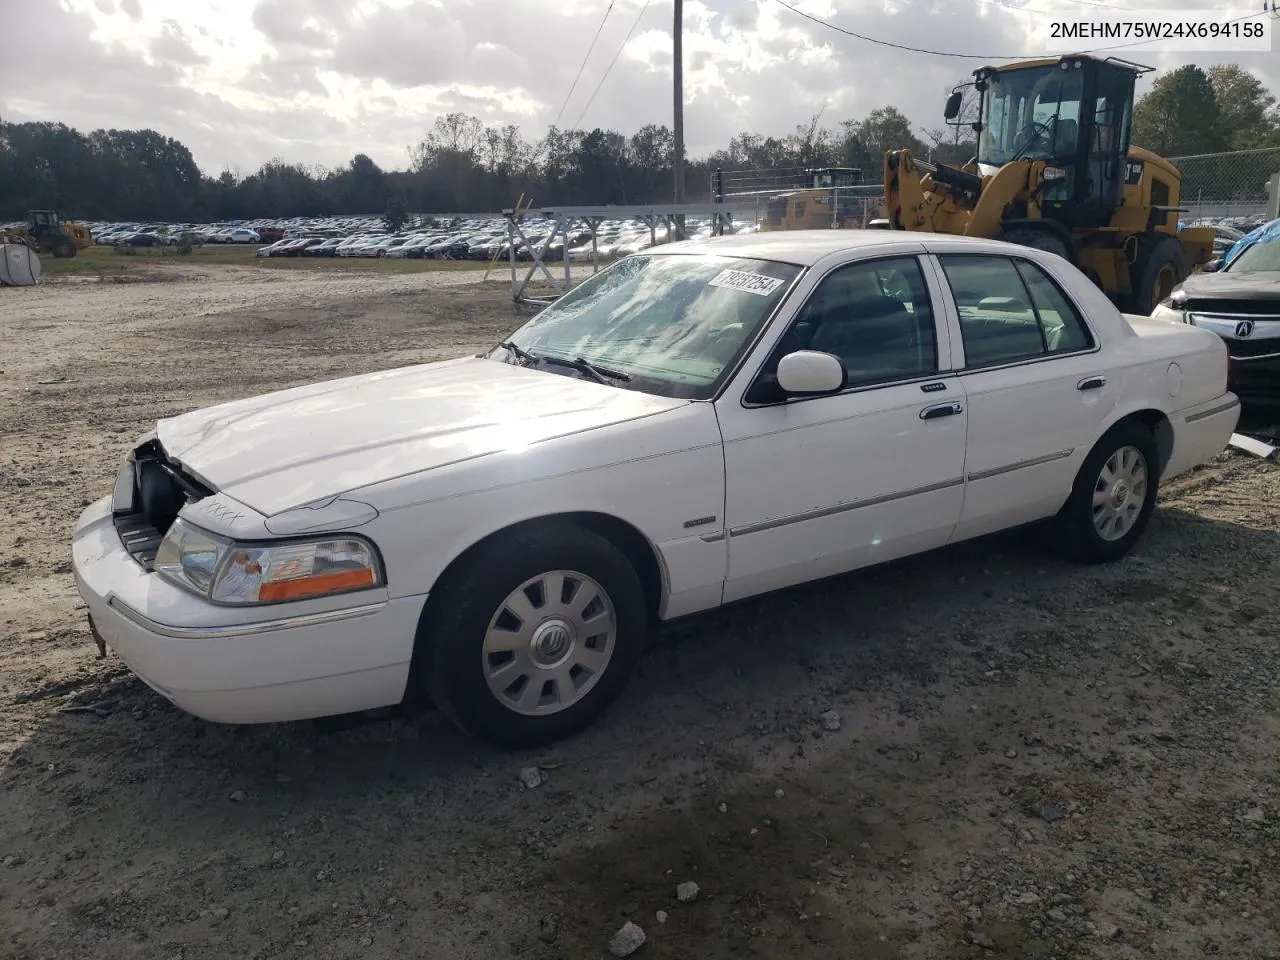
(534, 637)
(63, 247)
(1112, 498)
(1158, 269)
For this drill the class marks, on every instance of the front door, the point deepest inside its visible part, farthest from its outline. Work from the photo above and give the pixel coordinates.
(819, 485)
(1036, 384)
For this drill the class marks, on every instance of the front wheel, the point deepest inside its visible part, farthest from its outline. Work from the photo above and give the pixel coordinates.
(535, 637)
(1037, 239)
(1112, 498)
(1159, 268)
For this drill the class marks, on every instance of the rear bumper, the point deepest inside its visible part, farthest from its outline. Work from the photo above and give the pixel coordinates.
(1201, 432)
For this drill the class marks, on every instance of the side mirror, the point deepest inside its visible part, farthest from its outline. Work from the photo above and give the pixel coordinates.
(808, 372)
(952, 109)
(1213, 266)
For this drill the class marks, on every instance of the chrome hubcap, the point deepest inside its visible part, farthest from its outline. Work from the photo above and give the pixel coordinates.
(1119, 493)
(552, 642)
(549, 643)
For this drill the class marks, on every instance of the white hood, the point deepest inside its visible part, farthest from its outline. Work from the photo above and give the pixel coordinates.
(296, 446)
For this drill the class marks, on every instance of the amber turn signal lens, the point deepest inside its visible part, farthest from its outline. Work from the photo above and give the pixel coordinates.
(318, 585)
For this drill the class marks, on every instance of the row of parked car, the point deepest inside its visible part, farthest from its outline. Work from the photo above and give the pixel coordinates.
(167, 235)
(613, 239)
(438, 246)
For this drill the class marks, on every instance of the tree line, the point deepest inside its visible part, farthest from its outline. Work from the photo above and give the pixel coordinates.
(462, 165)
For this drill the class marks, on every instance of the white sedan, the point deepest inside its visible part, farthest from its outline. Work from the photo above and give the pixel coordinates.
(703, 422)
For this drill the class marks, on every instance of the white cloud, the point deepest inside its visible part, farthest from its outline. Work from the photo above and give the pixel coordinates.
(316, 81)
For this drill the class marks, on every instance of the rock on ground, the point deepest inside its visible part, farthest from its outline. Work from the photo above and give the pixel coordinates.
(627, 940)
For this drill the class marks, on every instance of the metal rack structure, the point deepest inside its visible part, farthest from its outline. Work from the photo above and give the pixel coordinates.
(562, 219)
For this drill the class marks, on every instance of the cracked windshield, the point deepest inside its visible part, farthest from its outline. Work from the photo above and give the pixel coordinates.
(670, 324)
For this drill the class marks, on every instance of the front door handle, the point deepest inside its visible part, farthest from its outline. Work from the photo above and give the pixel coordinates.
(941, 410)
(1092, 383)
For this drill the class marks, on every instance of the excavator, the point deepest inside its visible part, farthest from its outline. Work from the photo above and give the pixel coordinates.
(45, 233)
(1054, 169)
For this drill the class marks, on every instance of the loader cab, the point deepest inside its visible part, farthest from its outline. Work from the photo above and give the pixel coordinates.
(41, 223)
(1072, 112)
(825, 178)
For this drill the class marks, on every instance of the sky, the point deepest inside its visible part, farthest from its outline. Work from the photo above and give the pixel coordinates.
(241, 82)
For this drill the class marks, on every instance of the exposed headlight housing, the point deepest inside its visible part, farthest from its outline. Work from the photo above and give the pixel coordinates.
(1167, 310)
(229, 572)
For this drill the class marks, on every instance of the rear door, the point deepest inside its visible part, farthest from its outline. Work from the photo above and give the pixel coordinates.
(1038, 386)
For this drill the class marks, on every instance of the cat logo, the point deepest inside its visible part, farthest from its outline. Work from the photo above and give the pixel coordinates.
(1133, 173)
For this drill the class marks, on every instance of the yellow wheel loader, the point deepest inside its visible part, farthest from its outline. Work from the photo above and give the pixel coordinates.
(45, 233)
(1054, 169)
(819, 205)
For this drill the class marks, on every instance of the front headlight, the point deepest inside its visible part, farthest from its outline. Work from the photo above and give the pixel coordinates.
(225, 571)
(1165, 310)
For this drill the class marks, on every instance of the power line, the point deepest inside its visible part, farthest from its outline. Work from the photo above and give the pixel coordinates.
(577, 123)
(1089, 3)
(574, 85)
(970, 56)
(888, 43)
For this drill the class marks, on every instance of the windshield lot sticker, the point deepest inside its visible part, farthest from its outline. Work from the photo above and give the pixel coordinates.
(755, 283)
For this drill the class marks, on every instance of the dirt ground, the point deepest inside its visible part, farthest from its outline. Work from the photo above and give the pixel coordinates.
(1033, 760)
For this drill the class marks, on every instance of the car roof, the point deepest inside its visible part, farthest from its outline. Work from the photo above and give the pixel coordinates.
(808, 247)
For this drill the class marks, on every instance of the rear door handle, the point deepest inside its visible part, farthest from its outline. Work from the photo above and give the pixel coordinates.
(941, 410)
(1092, 383)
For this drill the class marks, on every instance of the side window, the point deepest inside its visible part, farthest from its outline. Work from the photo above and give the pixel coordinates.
(1010, 312)
(875, 316)
(1064, 330)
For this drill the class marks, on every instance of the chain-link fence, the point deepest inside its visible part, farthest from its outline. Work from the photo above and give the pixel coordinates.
(808, 208)
(1236, 185)
(1228, 185)
(793, 198)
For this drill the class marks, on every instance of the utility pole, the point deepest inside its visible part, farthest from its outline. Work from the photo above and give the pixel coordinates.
(677, 72)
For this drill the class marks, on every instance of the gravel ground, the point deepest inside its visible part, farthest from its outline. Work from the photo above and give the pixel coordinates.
(982, 752)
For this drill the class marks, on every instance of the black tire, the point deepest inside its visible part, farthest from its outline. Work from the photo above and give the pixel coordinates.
(1037, 240)
(63, 247)
(1160, 267)
(448, 653)
(1073, 531)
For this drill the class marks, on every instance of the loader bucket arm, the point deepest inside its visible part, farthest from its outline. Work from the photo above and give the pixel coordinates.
(1010, 183)
(916, 191)
(934, 198)
(902, 188)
